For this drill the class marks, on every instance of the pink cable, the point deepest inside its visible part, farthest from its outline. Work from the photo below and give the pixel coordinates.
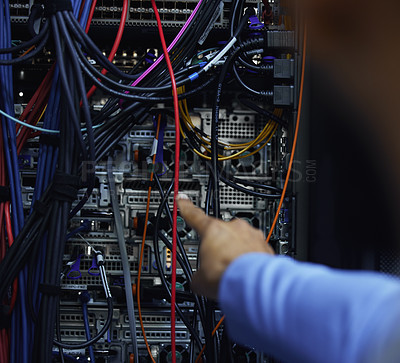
(157, 62)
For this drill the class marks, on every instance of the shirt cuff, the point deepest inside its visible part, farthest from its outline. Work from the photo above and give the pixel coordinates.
(239, 264)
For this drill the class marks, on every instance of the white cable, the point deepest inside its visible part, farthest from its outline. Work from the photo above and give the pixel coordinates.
(220, 54)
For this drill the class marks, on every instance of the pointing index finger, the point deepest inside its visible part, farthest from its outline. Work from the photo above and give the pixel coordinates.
(193, 215)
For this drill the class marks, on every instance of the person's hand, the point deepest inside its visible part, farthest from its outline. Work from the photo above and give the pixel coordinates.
(222, 242)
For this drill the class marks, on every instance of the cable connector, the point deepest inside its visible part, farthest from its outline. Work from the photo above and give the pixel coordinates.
(99, 258)
(53, 6)
(84, 297)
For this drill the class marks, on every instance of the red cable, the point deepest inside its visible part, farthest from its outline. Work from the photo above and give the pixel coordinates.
(116, 43)
(90, 17)
(4, 345)
(2, 183)
(81, 9)
(10, 242)
(176, 181)
(3, 248)
(34, 109)
(35, 96)
(27, 133)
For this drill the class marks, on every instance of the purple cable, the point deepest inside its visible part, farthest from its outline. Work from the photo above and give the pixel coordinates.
(148, 70)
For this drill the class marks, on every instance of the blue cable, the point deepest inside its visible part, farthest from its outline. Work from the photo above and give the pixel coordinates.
(47, 160)
(85, 298)
(22, 327)
(19, 318)
(49, 157)
(84, 227)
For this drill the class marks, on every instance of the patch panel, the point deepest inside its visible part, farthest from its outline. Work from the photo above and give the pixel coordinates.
(172, 13)
(157, 325)
(20, 9)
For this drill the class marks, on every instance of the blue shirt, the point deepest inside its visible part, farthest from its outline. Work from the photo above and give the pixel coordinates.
(303, 312)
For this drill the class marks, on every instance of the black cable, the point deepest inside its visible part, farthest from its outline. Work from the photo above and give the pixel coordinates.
(226, 348)
(74, 26)
(27, 56)
(65, 85)
(97, 337)
(262, 68)
(19, 252)
(244, 99)
(146, 98)
(29, 42)
(120, 130)
(214, 140)
(185, 261)
(89, 175)
(250, 183)
(246, 87)
(215, 116)
(182, 250)
(249, 192)
(194, 334)
(179, 258)
(210, 352)
(69, 156)
(58, 331)
(237, 11)
(89, 68)
(113, 137)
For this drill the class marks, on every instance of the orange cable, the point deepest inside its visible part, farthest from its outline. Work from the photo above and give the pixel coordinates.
(212, 334)
(143, 243)
(295, 136)
(27, 51)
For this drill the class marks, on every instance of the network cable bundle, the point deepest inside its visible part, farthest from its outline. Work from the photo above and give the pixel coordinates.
(108, 110)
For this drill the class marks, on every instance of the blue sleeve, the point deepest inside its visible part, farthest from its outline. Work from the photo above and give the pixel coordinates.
(303, 312)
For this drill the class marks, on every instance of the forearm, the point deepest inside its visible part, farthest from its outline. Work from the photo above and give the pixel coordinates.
(305, 312)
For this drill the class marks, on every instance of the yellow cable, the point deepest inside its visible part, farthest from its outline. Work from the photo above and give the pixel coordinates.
(266, 134)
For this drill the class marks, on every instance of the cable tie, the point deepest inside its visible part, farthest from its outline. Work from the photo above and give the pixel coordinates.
(66, 179)
(154, 146)
(64, 194)
(51, 290)
(35, 18)
(65, 186)
(194, 76)
(53, 6)
(5, 194)
(49, 139)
